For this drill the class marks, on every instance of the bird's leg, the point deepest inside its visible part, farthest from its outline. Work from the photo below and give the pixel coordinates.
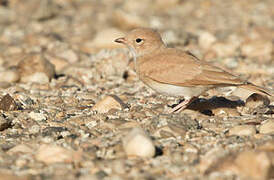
(178, 108)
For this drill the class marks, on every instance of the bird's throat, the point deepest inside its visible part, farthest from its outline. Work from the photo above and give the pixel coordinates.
(134, 55)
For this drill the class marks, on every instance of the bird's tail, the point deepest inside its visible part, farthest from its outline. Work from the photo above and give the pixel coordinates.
(257, 89)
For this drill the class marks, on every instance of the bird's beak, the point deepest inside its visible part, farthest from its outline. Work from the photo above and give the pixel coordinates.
(120, 40)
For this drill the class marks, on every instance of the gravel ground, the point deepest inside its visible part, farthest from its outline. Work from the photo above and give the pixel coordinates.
(72, 107)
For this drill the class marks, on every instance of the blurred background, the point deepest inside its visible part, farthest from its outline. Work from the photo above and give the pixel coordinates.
(237, 34)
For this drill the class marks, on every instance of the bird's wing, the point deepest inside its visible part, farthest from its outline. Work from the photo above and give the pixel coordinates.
(183, 69)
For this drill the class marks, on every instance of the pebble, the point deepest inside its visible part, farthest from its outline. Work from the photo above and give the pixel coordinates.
(115, 65)
(254, 165)
(119, 167)
(256, 100)
(162, 4)
(34, 129)
(37, 77)
(4, 123)
(69, 55)
(210, 159)
(206, 39)
(89, 177)
(244, 94)
(223, 112)
(170, 131)
(50, 154)
(169, 37)
(58, 62)
(9, 176)
(37, 116)
(36, 68)
(4, 85)
(267, 127)
(107, 103)
(136, 6)
(2, 60)
(242, 130)
(190, 148)
(21, 148)
(21, 162)
(9, 76)
(35, 9)
(224, 49)
(138, 143)
(78, 74)
(268, 146)
(259, 48)
(7, 103)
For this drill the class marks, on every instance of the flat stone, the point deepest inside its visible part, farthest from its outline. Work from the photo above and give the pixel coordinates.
(21, 148)
(242, 130)
(107, 103)
(267, 127)
(10, 76)
(55, 154)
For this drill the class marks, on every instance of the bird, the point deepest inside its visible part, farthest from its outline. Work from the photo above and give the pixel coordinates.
(177, 73)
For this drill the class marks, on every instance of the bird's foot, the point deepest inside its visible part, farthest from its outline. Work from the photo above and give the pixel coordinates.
(181, 106)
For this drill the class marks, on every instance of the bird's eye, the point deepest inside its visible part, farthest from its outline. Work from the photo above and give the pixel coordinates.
(138, 40)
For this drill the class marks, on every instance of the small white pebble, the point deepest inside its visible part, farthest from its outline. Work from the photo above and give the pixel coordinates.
(91, 124)
(206, 39)
(138, 143)
(37, 116)
(34, 129)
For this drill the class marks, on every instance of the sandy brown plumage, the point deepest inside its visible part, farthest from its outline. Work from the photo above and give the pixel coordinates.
(175, 72)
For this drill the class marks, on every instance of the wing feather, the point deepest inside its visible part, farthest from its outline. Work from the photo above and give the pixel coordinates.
(183, 69)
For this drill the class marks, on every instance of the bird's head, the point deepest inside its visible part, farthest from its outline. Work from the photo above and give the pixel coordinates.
(142, 41)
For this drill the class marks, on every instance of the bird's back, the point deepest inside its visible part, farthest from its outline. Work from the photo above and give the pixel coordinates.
(173, 66)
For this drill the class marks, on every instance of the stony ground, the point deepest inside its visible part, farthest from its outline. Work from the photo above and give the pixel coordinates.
(71, 102)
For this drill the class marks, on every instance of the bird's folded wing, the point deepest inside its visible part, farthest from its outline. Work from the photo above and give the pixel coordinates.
(183, 69)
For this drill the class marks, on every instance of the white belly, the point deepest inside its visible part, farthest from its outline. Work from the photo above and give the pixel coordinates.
(178, 91)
